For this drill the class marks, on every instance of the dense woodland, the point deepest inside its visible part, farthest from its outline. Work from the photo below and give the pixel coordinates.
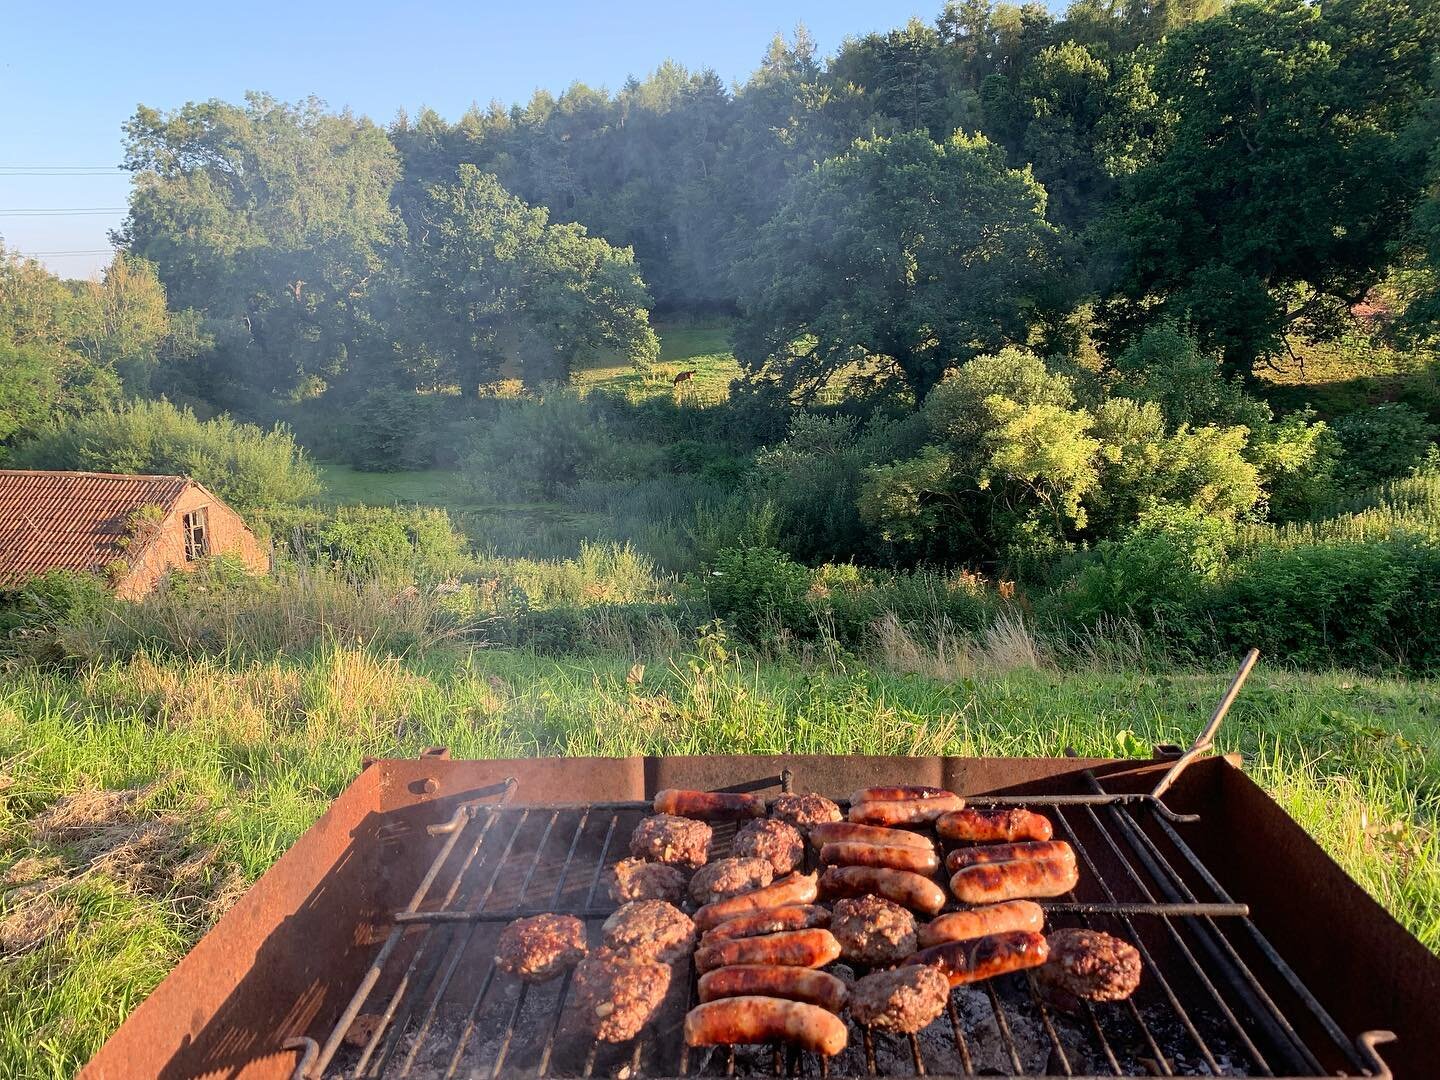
(1005, 291)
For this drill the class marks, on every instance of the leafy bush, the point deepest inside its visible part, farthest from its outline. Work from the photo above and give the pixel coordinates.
(1154, 575)
(246, 466)
(759, 589)
(852, 600)
(374, 541)
(1381, 443)
(815, 475)
(52, 598)
(393, 429)
(1365, 605)
(541, 448)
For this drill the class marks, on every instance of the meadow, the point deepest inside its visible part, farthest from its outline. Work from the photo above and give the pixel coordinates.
(142, 792)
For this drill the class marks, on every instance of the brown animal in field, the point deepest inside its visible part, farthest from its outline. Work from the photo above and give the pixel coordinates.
(684, 376)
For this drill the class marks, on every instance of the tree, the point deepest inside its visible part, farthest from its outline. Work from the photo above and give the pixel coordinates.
(29, 389)
(274, 221)
(1282, 180)
(918, 253)
(496, 280)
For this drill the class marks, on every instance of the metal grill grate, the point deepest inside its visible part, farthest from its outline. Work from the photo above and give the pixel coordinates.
(1215, 998)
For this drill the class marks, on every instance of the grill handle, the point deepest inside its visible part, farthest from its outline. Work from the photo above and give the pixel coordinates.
(1207, 737)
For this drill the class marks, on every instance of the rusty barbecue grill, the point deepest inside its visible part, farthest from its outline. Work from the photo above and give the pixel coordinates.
(368, 950)
(1216, 998)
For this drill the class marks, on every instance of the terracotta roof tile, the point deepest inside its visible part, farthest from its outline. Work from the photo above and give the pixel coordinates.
(71, 520)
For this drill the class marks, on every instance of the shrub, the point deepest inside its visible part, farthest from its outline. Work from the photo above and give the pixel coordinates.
(371, 541)
(541, 448)
(1363, 605)
(246, 466)
(759, 589)
(853, 600)
(52, 598)
(1380, 443)
(392, 429)
(1153, 575)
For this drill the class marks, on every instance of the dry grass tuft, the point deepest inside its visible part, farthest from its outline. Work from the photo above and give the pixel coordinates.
(33, 919)
(1006, 645)
(86, 812)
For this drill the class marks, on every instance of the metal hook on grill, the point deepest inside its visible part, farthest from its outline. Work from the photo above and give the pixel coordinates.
(1367, 1042)
(309, 1050)
(1207, 737)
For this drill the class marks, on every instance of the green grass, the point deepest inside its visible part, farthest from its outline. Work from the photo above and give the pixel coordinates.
(345, 486)
(1341, 376)
(233, 763)
(700, 347)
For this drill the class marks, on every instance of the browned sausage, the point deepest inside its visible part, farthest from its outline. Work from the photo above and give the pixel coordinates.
(770, 921)
(794, 889)
(768, 980)
(1033, 849)
(892, 794)
(898, 858)
(762, 1020)
(989, 883)
(844, 832)
(811, 948)
(984, 958)
(905, 811)
(982, 921)
(709, 805)
(994, 826)
(902, 886)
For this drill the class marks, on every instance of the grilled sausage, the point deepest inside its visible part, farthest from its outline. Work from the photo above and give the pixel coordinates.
(765, 1019)
(794, 889)
(845, 832)
(769, 921)
(988, 883)
(811, 948)
(768, 980)
(994, 826)
(983, 921)
(915, 811)
(991, 853)
(709, 805)
(904, 887)
(893, 794)
(850, 853)
(983, 958)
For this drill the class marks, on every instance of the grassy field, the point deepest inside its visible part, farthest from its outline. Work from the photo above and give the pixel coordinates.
(1340, 376)
(138, 798)
(700, 347)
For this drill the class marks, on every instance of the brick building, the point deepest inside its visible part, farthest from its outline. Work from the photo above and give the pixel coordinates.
(132, 528)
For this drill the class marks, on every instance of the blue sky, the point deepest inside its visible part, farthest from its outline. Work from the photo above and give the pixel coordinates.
(70, 74)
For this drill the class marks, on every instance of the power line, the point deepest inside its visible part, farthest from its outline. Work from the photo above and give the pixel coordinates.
(78, 211)
(58, 254)
(51, 169)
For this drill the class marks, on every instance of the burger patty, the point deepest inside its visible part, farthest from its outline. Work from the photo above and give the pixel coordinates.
(540, 947)
(873, 931)
(613, 998)
(729, 877)
(903, 999)
(802, 811)
(636, 879)
(677, 841)
(649, 930)
(1091, 965)
(778, 842)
